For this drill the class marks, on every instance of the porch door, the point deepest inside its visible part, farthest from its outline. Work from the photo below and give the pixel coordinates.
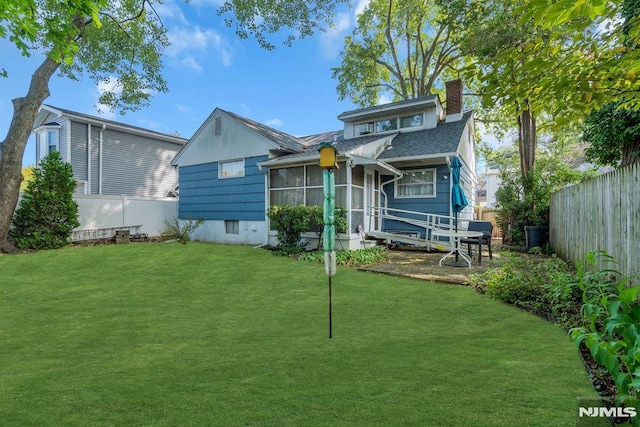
(370, 200)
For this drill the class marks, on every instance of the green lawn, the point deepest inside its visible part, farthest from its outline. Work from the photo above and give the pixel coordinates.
(166, 334)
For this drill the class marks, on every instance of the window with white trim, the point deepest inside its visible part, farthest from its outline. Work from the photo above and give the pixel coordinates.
(302, 185)
(232, 169)
(49, 140)
(416, 183)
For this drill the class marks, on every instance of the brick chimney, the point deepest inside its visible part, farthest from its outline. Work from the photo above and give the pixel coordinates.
(454, 100)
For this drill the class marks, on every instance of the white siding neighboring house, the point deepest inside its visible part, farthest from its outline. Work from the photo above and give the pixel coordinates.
(107, 157)
(491, 186)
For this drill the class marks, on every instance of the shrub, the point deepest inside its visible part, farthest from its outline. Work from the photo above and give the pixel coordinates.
(291, 221)
(175, 230)
(612, 312)
(47, 213)
(539, 284)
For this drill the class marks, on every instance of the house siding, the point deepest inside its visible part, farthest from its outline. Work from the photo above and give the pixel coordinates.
(79, 151)
(439, 205)
(135, 165)
(203, 195)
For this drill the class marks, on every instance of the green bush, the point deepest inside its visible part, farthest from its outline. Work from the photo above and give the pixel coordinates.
(291, 221)
(47, 213)
(539, 284)
(612, 333)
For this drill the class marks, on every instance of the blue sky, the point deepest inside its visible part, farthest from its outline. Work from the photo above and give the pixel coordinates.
(208, 66)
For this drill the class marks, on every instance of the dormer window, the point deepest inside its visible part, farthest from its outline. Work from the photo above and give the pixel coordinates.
(387, 125)
(413, 120)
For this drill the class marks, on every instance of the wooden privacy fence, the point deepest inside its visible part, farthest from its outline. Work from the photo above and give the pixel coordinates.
(600, 214)
(483, 214)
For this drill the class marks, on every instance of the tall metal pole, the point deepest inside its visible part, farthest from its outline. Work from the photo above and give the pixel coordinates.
(330, 312)
(329, 236)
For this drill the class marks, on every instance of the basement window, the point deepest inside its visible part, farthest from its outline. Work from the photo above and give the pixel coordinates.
(232, 227)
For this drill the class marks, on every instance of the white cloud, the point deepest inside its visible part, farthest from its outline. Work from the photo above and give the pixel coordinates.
(274, 123)
(331, 41)
(226, 58)
(183, 39)
(111, 85)
(188, 45)
(189, 61)
(361, 6)
(170, 11)
(184, 108)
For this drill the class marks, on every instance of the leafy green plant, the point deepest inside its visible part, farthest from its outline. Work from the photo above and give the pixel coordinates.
(349, 258)
(175, 229)
(612, 334)
(47, 213)
(539, 284)
(291, 221)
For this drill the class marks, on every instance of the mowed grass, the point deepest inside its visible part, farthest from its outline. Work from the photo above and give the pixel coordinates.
(203, 334)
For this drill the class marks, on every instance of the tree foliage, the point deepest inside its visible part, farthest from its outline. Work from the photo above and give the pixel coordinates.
(600, 63)
(613, 134)
(399, 49)
(260, 18)
(47, 213)
(118, 43)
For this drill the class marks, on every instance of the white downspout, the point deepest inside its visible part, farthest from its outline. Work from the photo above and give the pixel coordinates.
(89, 156)
(104, 126)
(266, 204)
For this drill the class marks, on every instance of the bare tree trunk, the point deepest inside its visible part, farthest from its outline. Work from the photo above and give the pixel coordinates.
(25, 111)
(527, 140)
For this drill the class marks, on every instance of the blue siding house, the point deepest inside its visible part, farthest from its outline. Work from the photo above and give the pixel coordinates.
(393, 174)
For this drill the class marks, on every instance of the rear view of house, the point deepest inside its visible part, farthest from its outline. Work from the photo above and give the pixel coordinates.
(393, 165)
(107, 157)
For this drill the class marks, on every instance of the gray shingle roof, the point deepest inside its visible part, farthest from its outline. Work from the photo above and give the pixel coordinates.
(442, 139)
(284, 140)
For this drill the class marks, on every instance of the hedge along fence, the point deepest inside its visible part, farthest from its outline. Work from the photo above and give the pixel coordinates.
(291, 221)
(600, 214)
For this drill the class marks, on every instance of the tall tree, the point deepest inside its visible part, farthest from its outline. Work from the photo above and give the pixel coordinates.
(501, 48)
(120, 43)
(399, 49)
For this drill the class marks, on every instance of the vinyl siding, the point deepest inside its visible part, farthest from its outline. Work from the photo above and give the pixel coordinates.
(203, 195)
(79, 151)
(136, 165)
(235, 141)
(438, 205)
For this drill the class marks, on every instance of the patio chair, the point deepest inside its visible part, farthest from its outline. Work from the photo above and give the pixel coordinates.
(486, 228)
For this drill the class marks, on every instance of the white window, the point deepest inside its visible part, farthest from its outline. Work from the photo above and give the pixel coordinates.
(49, 140)
(414, 120)
(416, 183)
(302, 185)
(232, 169)
(387, 125)
(232, 227)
